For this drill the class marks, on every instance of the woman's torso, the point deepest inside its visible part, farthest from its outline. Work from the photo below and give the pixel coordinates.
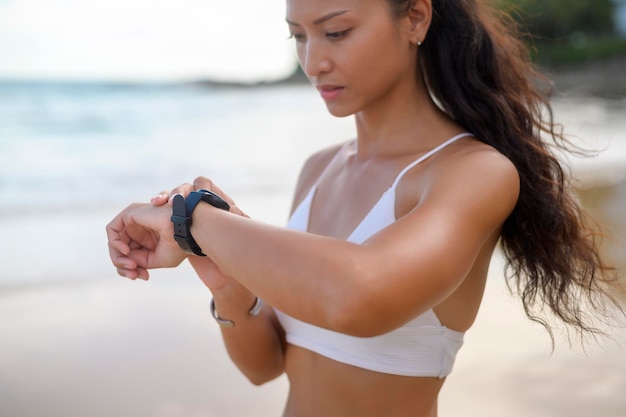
(340, 198)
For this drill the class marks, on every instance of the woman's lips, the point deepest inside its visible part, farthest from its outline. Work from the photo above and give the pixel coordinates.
(329, 92)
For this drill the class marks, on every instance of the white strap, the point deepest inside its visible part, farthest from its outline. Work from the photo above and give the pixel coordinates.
(428, 155)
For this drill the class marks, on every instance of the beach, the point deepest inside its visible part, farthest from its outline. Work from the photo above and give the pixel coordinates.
(122, 348)
(76, 340)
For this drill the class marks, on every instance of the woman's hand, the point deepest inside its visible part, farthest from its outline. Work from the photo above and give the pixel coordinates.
(141, 237)
(200, 183)
(206, 269)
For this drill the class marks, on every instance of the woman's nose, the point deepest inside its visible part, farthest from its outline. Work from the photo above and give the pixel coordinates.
(315, 59)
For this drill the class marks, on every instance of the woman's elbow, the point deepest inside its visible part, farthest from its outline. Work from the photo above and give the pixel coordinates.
(261, 378)
(356, 315)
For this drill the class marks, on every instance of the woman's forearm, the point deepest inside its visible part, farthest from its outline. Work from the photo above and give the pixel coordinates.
(254, 343)
(290, 270)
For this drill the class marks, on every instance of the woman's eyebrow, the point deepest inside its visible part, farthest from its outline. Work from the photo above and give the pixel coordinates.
(322, 19)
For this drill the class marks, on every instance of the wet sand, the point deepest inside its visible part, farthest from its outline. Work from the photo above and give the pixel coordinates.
(605, 202)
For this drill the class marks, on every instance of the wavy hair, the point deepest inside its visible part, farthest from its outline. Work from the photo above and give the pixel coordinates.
(480, 73)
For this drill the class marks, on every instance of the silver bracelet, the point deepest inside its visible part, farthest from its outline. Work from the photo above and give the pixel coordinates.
(254, 311)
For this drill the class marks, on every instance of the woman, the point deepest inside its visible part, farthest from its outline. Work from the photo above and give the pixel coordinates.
(381, 270)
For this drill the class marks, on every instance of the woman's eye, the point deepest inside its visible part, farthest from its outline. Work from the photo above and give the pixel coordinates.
(337, 35)
(297, 37)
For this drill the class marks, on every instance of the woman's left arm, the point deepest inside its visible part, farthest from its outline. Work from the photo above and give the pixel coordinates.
(400, 272)
(362, 290)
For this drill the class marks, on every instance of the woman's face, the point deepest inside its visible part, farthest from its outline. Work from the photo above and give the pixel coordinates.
(353, 51)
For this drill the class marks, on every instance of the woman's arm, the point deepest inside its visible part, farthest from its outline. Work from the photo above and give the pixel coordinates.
(255, 343)
(400, 272)
(364, 290)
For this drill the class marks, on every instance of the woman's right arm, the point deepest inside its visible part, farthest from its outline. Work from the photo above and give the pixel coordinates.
(255, 343)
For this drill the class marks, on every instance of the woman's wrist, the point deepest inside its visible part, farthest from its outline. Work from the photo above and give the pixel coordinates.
(234, 304)
(200, 220)
(182, 212)
(224, 322)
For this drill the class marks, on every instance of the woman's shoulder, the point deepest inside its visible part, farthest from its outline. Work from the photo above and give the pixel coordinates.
(478, 169)
(478, 159)
(469, 156)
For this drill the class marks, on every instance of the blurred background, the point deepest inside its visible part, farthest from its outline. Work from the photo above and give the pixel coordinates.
(107, 102)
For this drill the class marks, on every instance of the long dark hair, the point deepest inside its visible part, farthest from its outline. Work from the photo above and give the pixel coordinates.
(479, 71)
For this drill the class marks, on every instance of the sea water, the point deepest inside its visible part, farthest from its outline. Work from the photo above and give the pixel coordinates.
(73, 154)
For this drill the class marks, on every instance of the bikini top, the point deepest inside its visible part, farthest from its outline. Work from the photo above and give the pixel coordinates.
(423, 347)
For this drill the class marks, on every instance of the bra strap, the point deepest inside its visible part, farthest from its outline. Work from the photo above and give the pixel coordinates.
(428, 155)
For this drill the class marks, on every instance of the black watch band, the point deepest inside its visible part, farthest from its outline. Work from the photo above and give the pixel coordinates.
(181, 217)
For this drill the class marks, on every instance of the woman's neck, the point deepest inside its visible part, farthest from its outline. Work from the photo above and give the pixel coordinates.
(403, 122)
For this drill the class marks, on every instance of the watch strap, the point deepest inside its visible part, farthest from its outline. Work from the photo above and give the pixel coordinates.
(208, 197)
(182, 222)
(182, 210)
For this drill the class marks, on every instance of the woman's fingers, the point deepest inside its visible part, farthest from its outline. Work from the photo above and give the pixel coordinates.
(183, 190)
(161, 198)
(203, 183)
(121, 246)
(200, 183)
(119, 249)
(133, 274)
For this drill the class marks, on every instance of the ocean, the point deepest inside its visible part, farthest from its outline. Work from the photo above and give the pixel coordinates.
(73, 154)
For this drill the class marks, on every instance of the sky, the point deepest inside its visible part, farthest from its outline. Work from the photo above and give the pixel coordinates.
(238, 40)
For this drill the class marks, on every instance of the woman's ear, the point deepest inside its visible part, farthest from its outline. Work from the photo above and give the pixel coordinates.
(419, 18)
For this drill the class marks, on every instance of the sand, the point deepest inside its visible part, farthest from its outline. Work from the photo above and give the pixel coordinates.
(112, 347)
(117, 348)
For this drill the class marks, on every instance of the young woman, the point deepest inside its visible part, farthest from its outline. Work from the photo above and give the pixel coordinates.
(381, 270)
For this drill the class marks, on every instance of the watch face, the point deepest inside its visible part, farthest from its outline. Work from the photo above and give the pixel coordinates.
(214, 200)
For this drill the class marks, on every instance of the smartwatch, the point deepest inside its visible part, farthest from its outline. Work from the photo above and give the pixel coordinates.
(182, 209)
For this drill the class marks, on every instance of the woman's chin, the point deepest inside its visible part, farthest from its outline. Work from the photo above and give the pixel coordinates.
(339, 111)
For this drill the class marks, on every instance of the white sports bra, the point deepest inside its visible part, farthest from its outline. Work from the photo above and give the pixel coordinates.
(422, 347)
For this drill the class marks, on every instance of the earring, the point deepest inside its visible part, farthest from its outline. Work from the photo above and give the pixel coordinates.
(419, 43)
